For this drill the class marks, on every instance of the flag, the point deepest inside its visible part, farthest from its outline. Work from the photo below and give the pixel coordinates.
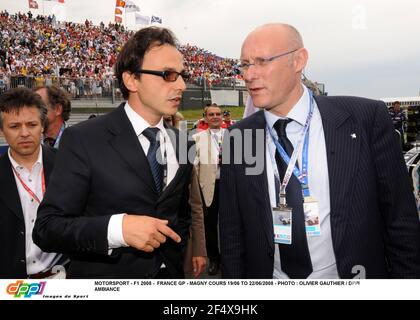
(145, 20)
(118, 19)
(118, 11)
(156, 19)
(130, 6)
(120, 3)
(33, 4)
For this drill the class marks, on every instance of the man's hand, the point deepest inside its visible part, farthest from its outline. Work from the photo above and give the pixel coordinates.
(146, 233)
(198, 264)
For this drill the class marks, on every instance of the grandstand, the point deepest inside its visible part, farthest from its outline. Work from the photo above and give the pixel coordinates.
(37, 51)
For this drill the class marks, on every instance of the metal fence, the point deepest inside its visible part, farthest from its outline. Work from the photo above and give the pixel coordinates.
(82, 87)
(92, 88)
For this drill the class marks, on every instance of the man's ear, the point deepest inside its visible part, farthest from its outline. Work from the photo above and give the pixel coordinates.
(129, 80)
(300, 60)
(58, 110)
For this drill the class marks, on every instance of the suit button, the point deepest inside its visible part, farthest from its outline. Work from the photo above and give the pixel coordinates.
(271, 255)
(22, 260)
(22, 233)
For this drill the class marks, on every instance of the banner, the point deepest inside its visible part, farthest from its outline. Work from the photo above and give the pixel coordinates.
(33, 4)
(225, 97)
(119, 5)
(130, 6)
(143, 20)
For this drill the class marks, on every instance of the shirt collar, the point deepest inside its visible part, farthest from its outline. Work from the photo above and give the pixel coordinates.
(17, 166)
(138, 122)
(215, 131)
(298, 113)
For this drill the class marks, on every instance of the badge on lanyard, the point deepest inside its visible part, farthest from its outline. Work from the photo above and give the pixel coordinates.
(282, 214)
(311, 212)
(282, 223)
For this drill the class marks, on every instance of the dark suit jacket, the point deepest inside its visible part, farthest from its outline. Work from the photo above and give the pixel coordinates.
(101, 170)
(12, 224)
(374, 221)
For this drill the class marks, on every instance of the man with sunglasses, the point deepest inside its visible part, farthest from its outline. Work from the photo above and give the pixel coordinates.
(209, 148)
(330, 167)
(118, 201)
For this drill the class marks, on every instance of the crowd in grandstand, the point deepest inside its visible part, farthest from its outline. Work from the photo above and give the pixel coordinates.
(38, 49)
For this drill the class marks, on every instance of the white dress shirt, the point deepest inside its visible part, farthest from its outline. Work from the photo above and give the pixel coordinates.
(36, 260)
(320, 248)
(115, 234)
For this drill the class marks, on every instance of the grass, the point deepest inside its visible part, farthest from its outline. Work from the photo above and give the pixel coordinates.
(195, 114)
(236, 113)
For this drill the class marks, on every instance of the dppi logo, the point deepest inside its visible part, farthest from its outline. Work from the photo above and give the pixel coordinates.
(27, 290)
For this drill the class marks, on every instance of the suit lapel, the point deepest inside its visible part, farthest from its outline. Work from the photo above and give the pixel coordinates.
(342, 139)
(8, 189)
(259, 182)
(125, 142)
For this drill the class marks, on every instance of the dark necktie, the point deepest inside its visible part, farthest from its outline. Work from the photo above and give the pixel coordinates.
(153, 157)
(295, 258)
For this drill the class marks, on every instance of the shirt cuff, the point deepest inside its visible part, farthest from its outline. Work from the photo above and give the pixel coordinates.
(115, 232)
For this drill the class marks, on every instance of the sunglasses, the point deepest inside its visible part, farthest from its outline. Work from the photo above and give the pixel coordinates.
(167, 75)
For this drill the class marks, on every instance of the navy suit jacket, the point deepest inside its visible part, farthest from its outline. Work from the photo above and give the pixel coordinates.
(374, 221)
(12, 223)
(101, 170)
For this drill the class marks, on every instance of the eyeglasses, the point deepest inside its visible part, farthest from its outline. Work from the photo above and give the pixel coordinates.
(212, 114)
(262, 62)
(167, 75)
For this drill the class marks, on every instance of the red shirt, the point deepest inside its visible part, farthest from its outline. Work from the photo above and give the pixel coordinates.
(226, 124)
(202, 125)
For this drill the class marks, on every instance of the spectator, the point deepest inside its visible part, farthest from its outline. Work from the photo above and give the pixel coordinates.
(59, 109)
(227, 121)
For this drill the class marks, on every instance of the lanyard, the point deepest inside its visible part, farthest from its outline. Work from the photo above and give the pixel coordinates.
(217, 139)
(57, 140)
(27, 189)
(303, 142)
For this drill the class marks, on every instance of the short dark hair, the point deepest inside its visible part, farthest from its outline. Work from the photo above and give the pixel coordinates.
(396, 102)
(213, 105)
(57, 96)
(132, 54)
(15, 99)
